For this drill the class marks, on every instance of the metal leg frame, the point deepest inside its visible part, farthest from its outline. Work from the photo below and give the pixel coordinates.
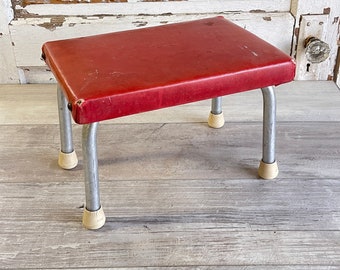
(268, 166)
(93, 217)
(216, 118)
(67, 156)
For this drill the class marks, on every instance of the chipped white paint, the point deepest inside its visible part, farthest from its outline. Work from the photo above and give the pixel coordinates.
(83, 19)
(28, 50)
(175, 7)
(269, 19)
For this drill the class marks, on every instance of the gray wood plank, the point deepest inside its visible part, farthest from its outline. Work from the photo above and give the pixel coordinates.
(37, 245)
(174, 151)
(284, 205)
(157, 220)
(176, 195)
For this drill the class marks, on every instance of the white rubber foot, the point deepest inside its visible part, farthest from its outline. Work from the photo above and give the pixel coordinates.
(94, 220)
(68, 161)
(268, 170)
(216, 120)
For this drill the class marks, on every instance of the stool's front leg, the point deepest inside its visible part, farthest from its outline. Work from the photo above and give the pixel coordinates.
(216, 118)
(67, 156)
(268, 166)
(93, 217)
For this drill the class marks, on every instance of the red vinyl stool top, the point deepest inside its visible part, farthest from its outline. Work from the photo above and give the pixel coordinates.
(117, 74)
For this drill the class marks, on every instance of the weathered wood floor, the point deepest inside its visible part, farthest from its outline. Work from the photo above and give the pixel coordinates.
(177, 194)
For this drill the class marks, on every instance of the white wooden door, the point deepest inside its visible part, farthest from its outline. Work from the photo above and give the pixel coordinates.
(30, 26)
(319, 19)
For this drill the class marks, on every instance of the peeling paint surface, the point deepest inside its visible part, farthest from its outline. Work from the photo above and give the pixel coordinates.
(151, 7)
(44, 28)
(24, 3)
(140, 23)
(54, 22)
(327, 10)
(36, 21)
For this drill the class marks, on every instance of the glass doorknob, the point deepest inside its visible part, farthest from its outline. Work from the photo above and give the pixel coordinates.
(317, 51)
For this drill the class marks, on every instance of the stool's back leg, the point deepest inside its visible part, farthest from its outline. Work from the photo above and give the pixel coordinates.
(67, 156)
(216, 118)
(268, 166)
(216, 105)
(93, 217)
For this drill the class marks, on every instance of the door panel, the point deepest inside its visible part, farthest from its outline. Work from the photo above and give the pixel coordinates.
(133, 7)
(35, 23)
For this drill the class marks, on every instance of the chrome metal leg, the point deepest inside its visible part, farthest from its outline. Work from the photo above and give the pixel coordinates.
(269, 124)
(216, 118)
(268, 166)
(216, 105)
(89, 144)
(93, 216)
(65, 123)
(67, 156)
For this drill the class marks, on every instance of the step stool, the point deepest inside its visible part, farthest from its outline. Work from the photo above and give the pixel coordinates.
(117, 74)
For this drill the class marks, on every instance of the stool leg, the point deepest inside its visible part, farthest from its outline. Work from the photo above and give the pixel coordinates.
(268, 166)
(93, 216)
(67, 156)
(216, 118)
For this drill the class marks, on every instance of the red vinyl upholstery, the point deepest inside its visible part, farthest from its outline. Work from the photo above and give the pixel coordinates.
(117, 74)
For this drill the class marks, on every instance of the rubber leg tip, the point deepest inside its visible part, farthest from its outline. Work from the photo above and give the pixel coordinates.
(268, 170)
(93, 220)
(216, 120)
(68, 161)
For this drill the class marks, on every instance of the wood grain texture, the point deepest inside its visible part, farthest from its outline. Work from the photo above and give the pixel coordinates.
(177, 195)
(177, 151)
